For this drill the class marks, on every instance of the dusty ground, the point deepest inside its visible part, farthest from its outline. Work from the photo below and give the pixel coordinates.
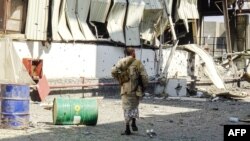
(171, 119)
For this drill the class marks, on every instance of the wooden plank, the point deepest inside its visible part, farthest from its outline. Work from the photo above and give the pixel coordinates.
(195, 31)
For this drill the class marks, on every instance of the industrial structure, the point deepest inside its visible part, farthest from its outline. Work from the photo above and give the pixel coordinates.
(62, 39)
(190, 48)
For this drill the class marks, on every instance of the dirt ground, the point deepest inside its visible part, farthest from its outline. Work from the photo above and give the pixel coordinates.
(172, 119)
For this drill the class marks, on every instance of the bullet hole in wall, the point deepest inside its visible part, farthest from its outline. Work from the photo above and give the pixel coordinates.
(192, 69)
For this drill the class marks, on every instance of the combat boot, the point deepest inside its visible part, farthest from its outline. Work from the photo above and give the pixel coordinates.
(133, 125)
(127, 131)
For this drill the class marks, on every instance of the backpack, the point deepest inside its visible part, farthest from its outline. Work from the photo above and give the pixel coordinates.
(123, 74)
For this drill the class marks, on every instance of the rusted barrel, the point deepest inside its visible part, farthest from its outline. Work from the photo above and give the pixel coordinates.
(15, 106)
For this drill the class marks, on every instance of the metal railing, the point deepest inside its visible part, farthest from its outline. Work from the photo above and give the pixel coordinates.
(216, 46)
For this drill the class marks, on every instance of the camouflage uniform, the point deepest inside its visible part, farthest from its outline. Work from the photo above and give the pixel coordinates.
(131, 91)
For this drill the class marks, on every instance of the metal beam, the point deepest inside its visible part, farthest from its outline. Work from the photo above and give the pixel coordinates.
(227, 28)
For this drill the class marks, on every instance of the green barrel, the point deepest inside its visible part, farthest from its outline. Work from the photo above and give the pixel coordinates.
(67, 111)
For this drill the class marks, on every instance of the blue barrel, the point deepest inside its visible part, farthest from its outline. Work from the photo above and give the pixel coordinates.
(15, 106)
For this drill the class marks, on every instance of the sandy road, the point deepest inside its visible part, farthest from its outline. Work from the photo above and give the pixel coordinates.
(177, 120)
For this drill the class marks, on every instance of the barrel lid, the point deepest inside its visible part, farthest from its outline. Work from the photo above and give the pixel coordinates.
(54, 111)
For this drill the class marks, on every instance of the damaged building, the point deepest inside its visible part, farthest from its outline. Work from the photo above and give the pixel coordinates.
(77, 33)
(190, 48)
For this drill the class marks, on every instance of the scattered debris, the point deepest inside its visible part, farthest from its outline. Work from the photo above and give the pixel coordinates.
(47, 106)
(147, 94)
(151, 133)
(159, 98)
(199, 94)
(87, 133)
(215, 109)
(209, 65)
(187, 99)
(215, 99)
(160, 120)
(171, 121)
(233, 119)
(245, 120)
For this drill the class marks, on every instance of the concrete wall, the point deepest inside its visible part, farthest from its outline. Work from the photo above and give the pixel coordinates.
(179, 63)
(61, 59)
(107, 56)
(69, 60)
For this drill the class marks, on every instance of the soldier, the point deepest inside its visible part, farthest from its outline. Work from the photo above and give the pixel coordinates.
(133, 84)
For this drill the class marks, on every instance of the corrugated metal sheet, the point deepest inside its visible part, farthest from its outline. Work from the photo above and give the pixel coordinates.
(194, 8)
(82, 14)
(116, 20)
(152, 4)
(162, 25)
(72, 20)
(187, 9)
(151, 17)
(169, 5)
(55, 18)
(245, 6)
(62, 26)
(37, 20)
(99, 10)
(209, 67)
(134, 16)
